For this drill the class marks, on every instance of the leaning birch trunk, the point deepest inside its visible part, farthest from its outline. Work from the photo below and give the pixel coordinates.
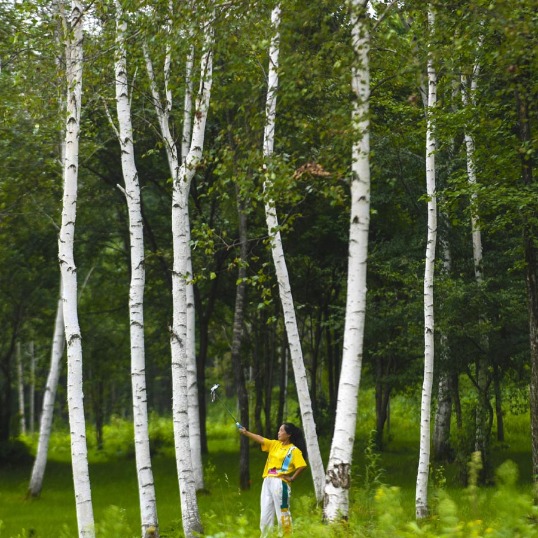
(47, 412)
(58, 347)
(281, 270)
(146, 488)
(75, 400)
(338, 477)
(421, 494)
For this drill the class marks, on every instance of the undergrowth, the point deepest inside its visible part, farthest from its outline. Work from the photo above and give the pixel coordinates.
(381, 496)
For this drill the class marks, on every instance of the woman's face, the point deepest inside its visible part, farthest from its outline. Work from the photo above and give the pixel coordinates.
(283, 435)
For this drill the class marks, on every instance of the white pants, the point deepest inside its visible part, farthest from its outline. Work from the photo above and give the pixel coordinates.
(274, 492)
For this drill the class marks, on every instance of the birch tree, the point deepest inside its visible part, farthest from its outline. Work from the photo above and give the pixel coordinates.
(468, 94)
(281, 269)
(421, 494)
(338, 476)
(182, 174)
(180, 276)
(192, 375)
(73, 30)
(124, 132)
(49, 397)
(177, 157)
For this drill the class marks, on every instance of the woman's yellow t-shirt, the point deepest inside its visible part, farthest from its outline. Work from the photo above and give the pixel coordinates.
(275, 459)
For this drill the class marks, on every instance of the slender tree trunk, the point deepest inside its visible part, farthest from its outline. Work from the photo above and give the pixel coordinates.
(237, 337)
(441, 435)
(332, 360)
(441, 432)
(192, 370)
(421, 496)
(338, 478)
(316, 369)
(75, 400)
(257, 374)
(382, 398)
(283, 384)
(531, 262)
(288, 308)
(6, 380)
(31, 399)
(498, 402)
(20, 390)
(269, 353)
(455, 390)
(482, 435)
(146, 487)
(49, 397)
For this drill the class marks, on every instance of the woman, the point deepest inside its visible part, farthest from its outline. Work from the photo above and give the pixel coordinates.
(285, 462)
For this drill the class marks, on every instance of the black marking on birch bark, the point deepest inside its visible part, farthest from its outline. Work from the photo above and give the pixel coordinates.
(73, 338)
(175, 336)
(339, 476)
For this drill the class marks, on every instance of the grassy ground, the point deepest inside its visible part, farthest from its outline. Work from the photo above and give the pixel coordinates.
(228, 512)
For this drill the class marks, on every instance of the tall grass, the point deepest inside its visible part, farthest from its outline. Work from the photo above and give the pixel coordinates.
(382, 493)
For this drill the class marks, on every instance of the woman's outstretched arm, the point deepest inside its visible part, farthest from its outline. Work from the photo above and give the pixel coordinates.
(255, 437)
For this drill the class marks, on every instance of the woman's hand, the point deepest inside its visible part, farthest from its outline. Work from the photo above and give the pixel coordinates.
(257, 438)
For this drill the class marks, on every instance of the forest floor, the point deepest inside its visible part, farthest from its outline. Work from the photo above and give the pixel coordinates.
(382, 494)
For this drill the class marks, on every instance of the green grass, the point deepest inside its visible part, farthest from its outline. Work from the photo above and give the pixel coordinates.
(382, 495)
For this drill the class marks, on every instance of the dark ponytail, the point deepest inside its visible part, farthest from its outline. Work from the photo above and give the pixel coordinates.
(296, 437)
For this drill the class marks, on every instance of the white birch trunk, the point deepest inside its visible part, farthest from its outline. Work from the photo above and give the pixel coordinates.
(75, 398)
(482, 365)
(57, 351)
(49, 397)
(421, 494)
(338, 477)
(192, 376)
(146, 487)
(20, 386)
(471, 176)
(281, 270)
